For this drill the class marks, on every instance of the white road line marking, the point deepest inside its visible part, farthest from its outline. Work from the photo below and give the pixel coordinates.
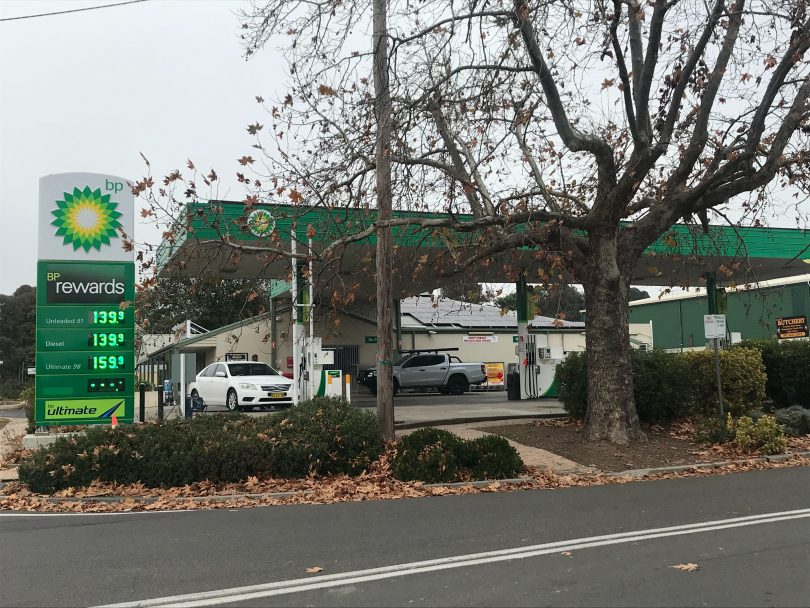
(240, 594)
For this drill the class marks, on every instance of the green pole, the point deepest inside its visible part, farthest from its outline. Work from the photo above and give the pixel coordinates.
(522, 300)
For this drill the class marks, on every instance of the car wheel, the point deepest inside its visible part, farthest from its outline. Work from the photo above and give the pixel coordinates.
(457, 385)
(396, 386)
(232, 401)
(443, 390)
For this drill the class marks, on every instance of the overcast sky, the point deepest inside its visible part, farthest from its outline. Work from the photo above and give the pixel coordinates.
(88, 91)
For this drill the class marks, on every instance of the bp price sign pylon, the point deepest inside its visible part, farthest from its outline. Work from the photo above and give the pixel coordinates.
(85, 358)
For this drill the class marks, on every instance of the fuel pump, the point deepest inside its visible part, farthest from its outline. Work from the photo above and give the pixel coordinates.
(323, 382)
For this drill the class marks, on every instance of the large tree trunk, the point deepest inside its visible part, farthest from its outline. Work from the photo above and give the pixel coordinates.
(382, 109)
(611, 406)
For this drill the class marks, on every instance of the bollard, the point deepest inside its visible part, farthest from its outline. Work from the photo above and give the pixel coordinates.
(160, 404)
(142, 391)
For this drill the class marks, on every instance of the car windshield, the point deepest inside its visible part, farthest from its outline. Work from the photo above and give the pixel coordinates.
(401, 360)
(252, 369)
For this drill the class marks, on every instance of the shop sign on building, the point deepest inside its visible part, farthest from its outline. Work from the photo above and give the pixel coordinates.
(480, 339)
(788, 328)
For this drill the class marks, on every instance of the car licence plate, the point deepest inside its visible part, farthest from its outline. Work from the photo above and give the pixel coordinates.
(278, 395)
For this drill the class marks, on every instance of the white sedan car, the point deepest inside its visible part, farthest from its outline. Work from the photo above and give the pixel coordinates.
(242, 385)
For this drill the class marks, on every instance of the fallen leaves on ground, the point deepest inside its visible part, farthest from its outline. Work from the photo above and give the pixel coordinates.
(314, 569)
(375, 484)
(566, 553)
(690, 567)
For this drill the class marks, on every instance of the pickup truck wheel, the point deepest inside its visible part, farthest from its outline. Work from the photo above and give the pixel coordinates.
(396, 386)
(457, 385)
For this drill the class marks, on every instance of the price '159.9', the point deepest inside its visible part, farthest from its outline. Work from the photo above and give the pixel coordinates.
(105, 362)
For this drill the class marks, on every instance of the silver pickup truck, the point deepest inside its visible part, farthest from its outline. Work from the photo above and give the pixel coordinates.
(440, 371)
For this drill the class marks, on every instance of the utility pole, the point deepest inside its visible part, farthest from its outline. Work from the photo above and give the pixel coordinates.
(382, 153)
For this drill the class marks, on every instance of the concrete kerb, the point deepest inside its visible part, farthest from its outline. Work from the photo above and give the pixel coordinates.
(12, 406)
(639, 473)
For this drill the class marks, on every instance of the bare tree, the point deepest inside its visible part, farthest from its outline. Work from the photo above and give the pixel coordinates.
(574, 133)
(382, 159)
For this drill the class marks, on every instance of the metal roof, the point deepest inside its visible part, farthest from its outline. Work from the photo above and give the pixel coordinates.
(700, 292)
(438, 312)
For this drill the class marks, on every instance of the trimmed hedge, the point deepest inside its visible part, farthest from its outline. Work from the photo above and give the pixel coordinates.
(669, 386)
(743, 376)
(436, 456)
(787, 365)
(661, 385)
(323, 436)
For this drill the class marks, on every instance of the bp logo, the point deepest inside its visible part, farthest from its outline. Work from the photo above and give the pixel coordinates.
(261, 223)
(86, 219)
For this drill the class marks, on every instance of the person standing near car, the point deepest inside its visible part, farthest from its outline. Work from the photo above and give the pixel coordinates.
(254, 357)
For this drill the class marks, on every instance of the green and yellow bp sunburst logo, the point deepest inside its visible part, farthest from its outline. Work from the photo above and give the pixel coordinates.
(86, 218)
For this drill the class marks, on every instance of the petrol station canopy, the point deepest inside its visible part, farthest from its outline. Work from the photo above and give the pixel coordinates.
(680, 257)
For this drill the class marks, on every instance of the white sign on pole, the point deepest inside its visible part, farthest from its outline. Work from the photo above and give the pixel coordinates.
(714, 326)
(32, 371)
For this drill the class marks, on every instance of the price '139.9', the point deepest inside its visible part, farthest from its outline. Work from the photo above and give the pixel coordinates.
(106, 317)
(102, 339)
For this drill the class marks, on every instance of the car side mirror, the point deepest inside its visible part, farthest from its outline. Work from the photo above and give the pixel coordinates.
(221, 375)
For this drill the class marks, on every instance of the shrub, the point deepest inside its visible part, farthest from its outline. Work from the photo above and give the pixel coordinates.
(493, 458)
(765, 436)
(436, 456)
(9, 388)
(787, 365)
(571, 377)
(324, 436)
(713, 429)
(661, 385)
(743, 376)
(795, 420)
(429, 455)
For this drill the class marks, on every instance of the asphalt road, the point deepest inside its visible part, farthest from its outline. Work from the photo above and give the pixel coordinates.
(96, 559)
(12, 413)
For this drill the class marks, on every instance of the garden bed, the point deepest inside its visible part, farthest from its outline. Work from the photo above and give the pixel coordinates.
(665, 446)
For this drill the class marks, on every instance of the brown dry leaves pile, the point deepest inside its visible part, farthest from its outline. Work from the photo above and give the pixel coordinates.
(690, 567)
(375, 484)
